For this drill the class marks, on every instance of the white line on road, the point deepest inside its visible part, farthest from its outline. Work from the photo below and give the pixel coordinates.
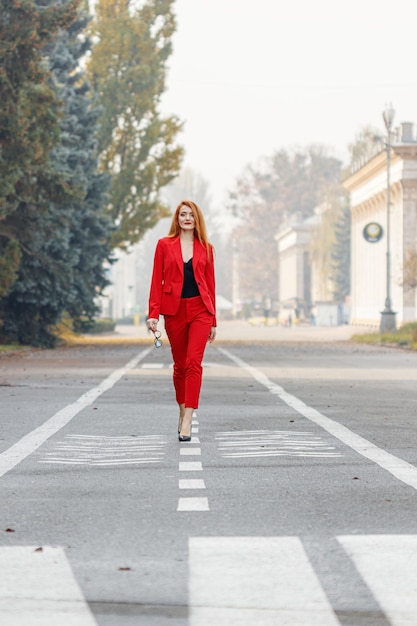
(254, 580)
(95, 450)
(399, 468)
(190, 466)
(152, 366)
(190, 451)
(193, 504)
(388, 565)
(37, 586)
(273, 443)
(31, 442)
(191, 483)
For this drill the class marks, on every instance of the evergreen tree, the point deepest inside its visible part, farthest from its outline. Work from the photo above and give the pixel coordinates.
(28, 119)
(67, 238)
(137, 146)
(341, 253)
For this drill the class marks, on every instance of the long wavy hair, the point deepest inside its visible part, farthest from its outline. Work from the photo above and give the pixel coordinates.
(200, 231)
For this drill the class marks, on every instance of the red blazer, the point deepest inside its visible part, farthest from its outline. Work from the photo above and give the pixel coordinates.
(168, 277)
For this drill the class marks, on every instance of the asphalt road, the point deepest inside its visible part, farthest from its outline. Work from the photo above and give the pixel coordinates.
(294, 505)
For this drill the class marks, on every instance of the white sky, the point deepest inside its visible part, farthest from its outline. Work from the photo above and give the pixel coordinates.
(249, 77)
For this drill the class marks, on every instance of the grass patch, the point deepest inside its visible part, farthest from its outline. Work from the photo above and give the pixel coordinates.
(67, 337)
(404, 337)
(11, 347)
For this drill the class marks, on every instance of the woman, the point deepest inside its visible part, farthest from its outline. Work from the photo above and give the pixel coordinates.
(183, 291)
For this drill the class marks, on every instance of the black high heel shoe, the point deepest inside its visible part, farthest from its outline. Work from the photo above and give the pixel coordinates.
(184, 437)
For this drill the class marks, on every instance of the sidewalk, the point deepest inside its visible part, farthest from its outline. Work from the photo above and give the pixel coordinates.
(239, 330)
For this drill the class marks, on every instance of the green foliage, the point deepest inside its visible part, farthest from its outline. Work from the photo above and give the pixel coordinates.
(63, 233)
(9, 265)
(137, 147)
(100, 325)
(29, 109)
(405, 337)
(340, 253)
(28, 120)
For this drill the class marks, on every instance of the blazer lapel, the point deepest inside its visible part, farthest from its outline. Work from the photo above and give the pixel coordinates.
(197, 250)
(178, 254)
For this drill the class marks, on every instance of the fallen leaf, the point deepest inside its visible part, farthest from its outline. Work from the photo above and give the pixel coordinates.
(125, 569)
(40, 549)
(9, 530)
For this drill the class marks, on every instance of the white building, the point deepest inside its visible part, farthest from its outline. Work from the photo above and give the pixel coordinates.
(304, 293)
(368, 193)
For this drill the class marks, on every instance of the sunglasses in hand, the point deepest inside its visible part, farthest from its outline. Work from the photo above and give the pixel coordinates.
(157, 341)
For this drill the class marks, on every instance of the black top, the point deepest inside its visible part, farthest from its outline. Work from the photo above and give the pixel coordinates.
(189, 286)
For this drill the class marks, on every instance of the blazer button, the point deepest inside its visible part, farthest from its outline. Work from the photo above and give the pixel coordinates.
(198, 283)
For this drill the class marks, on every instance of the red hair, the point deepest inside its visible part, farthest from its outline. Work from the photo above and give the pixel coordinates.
(200, 231)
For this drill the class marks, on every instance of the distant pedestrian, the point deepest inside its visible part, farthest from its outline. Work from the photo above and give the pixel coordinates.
(183, 291)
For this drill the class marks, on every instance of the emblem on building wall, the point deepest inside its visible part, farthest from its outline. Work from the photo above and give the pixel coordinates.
(373, 232)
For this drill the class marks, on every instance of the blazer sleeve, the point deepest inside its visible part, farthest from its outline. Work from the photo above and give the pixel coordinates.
(155, 292)
(211, 282)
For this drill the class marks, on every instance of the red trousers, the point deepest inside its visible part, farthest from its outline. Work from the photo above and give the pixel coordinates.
(188, 332)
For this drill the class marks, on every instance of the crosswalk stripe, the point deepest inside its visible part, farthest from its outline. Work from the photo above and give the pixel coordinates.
(254, 580)
(37, 586)
(387, 563)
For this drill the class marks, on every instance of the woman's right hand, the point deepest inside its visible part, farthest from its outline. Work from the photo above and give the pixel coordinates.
(152, 323)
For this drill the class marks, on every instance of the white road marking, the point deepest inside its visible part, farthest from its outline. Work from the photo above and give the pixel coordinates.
(39, 589)
(254, 580)
(98, 450)
(190, 451)
(152, 366)
(193, 504)
(387, 563)
(405, 472)
(191, 483)
(190, 466)
(33, 440)
(273, 443)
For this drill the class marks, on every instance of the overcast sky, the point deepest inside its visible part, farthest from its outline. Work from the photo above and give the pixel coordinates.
(249, 77)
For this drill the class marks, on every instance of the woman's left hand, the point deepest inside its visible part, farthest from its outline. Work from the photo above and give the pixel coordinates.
(212, 335)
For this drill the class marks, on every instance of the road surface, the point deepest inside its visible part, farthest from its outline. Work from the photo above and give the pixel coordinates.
(294, 505)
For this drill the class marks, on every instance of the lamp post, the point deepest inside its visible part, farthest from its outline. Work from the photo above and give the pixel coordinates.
(387, 323)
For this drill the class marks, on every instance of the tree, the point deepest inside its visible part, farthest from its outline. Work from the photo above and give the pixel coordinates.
(66, 238)
(340, 254)
(280, 189)
(28, 118)
(137, 146)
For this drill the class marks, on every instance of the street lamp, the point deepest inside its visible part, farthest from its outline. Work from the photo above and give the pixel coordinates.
(387, 315)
